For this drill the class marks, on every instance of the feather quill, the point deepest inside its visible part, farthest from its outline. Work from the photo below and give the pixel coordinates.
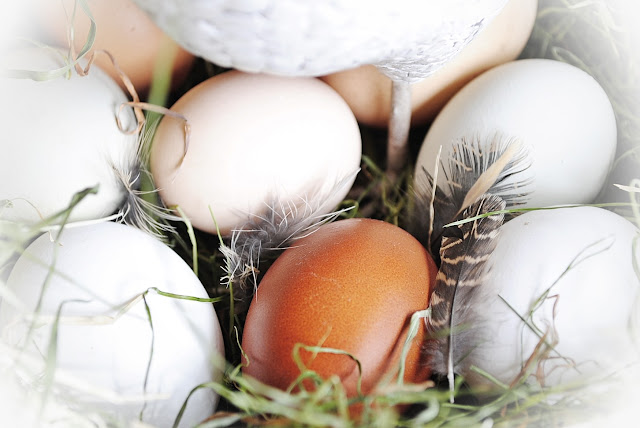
(464, 252)
(489, 177)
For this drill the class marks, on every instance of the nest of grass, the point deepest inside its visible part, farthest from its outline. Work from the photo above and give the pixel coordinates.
(590, 34)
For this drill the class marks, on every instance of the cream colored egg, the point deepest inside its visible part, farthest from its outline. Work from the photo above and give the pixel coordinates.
(123, 30)
(368, 91)
(60, 137)
(255, 140)
(118, 355)
(561, 116)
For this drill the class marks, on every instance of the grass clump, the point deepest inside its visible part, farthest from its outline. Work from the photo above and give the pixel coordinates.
(589, 34)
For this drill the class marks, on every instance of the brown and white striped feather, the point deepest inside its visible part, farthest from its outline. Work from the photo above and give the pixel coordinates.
(474, 168)
(464, 253)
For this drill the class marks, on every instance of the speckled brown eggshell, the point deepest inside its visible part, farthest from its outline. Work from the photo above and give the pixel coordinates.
(352, 285)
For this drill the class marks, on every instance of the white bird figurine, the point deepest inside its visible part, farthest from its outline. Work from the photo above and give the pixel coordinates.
(407, 39)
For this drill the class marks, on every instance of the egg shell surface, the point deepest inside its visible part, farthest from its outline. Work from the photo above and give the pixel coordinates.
(584, 257)
(352, 285)
(104, 336)
(21, 407)
(60, 137)
(255, 140)
(560, 115)
(123, 30)
(368, 91)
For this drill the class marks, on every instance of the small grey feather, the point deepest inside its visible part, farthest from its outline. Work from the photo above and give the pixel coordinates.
(276, 228)
(137, 211)
(141, 213)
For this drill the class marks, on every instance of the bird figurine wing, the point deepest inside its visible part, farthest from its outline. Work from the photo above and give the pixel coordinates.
(407, 39)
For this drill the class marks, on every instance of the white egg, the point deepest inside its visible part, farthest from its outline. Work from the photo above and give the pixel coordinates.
(583, 257)
(559, 113)
(22, 406)
(255, 140)
(105, 338)
(60, 137)
(19, 410)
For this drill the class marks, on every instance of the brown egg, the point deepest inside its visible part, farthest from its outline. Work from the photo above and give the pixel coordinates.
(122, 29)
(368, 91)
(351, 285)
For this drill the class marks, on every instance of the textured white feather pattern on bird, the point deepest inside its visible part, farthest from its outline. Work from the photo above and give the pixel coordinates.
(408, 39)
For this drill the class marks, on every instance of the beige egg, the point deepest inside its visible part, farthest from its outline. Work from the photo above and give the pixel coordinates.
(368, 91)
(255, 141)
(121, 29)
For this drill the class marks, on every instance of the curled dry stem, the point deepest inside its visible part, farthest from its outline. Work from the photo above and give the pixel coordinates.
(136, 104)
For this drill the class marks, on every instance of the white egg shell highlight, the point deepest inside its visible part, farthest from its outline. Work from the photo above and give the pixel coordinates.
(559, 113)
(105, 339)
(60, 137)
(255, 140)
(584, 256)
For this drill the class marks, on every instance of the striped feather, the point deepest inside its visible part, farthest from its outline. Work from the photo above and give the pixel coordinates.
(473, 169)
(464, 253)
(476, 182)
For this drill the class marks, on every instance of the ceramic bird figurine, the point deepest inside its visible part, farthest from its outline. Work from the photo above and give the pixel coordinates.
(407, 39)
